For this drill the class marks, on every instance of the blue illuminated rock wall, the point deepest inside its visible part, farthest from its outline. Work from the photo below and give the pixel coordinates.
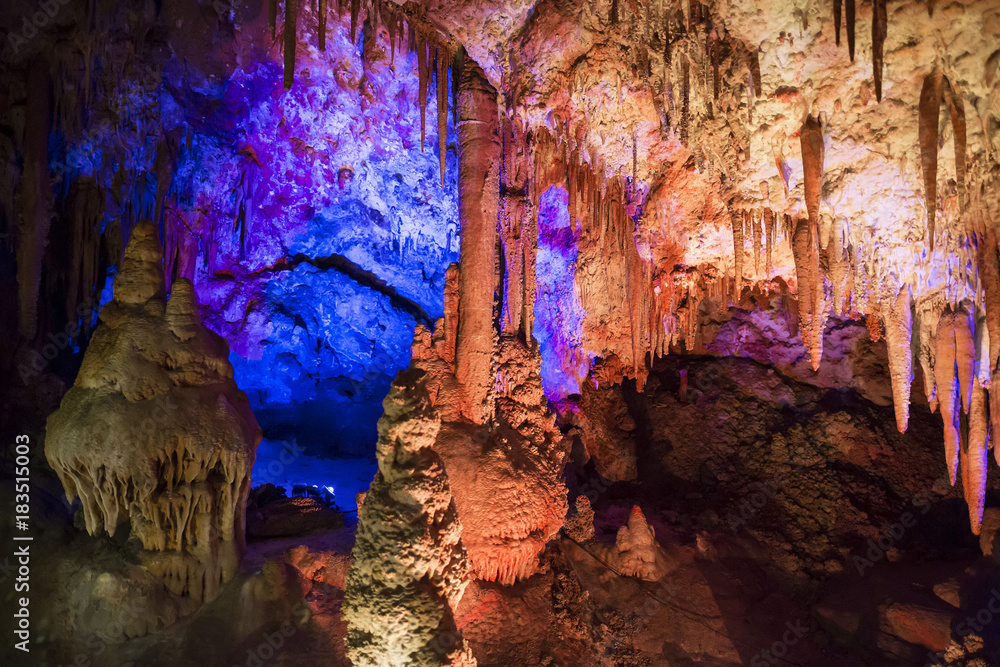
(558, 313)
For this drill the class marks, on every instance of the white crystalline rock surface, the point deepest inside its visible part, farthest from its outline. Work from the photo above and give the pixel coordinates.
(409, 568)
(155, 431)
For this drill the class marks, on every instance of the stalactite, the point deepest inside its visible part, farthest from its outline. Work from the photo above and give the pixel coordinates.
(769, 225)
(686, 99)
(836, 18)
(442, 106)
(355, 8)
(737, 218)
(849, 15)
(291, 16)
(755, 225)
(421, 84)
(928, 314)
(478, 192)
(811, 304)
(754, 57)
(989, 275)
(811, 139)
(322, 25)
(965, 354)
(935, 86)
(879, 27)
(898, 321)
(973, 457)
(947, 389)
(37, 197)
(272, 17)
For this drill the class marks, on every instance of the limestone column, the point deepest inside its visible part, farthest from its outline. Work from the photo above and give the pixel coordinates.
(478, 202)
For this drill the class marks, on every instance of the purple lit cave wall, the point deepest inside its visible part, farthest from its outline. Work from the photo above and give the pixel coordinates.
(558, 314)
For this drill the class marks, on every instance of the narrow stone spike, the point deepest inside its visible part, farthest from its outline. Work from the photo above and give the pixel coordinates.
(421, 85)
(956, 107)
(974, 456)
(836, 18)
(811, 140)
(290, 19)
(737, 220)
(928, 315)
(930, 103)
(811, 318)
(769, 224)
(965, 354)
(322, 25)
(898, 331)
(947, 389)
(849, 15)
(755, 226)
(272, 17)
(879, 29)
(442, 107)
(755, 72)
(355, 8)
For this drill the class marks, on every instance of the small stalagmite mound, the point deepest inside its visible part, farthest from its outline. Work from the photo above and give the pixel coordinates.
(156, 433)
(636, 552)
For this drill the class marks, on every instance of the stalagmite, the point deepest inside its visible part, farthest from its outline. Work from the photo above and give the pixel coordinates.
(947, 389)
(155, 431)
(879, 27)
(33, 232)
(898, 327)
(965, 354)
(408, 568)
(479, 194)
(291, 17)
(975, 453)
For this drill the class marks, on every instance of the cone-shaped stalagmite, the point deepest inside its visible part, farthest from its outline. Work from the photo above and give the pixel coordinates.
(974, 457)
(898, 329)
(947, 388)
(479, 202)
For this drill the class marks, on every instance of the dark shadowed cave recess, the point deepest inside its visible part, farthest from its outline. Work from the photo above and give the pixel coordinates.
(601, 333)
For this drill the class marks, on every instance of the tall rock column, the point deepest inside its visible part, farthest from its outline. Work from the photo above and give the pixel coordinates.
(479, 202)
